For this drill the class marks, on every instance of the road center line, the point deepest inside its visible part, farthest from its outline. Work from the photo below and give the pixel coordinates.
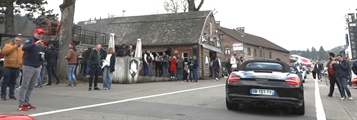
(320, 113)
(121, 101)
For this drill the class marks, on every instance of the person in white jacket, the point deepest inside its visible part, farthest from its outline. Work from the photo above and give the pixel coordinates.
(233, 62)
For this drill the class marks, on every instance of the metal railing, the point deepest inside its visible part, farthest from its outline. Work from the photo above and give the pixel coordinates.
(89, 37)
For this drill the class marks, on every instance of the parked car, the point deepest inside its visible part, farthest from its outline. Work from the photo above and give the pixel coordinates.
(354, 82)
(295, 70)
(265, 83)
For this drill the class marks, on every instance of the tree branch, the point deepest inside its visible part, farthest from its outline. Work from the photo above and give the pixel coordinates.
(199, 6)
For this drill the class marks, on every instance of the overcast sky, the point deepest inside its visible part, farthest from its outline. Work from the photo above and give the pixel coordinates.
(292, 24)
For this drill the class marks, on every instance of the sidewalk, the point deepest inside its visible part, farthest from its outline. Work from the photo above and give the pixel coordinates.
(336, 109)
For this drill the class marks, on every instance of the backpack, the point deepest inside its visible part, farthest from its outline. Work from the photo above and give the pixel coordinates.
(354, 67)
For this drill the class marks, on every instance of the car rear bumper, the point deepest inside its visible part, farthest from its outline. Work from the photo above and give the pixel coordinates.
(265, 101)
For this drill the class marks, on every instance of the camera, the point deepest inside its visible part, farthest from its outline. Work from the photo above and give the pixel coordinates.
(42, 55)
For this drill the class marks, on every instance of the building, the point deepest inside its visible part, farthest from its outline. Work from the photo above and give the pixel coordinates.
(249, 46)
(186, 34)
(351, 34)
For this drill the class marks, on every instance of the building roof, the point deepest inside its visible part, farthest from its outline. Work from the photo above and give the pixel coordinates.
(251, 39)
(160, 29)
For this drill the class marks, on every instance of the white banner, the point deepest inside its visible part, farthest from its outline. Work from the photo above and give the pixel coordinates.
(237, 46)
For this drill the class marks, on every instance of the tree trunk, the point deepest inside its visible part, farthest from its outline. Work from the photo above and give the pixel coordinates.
(65, 37)
(9, 17)
(191, 5)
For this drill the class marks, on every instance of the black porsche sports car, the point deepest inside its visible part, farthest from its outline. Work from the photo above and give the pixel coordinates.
(265, 83)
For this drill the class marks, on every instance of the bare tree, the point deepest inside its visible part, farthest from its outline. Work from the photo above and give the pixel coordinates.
(192, 5)
(67, 15)
(175, 6)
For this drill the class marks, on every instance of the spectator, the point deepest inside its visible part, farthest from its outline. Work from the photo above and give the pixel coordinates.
(341, 67)
(72, 57)
(52, 56)
(190, 68)
(12, 63)
(195, 68)
(31, 68)
(165, 64)
(158, 65)
(173, 63)
(215, 69)
(332, 75)
(180, 65)
(42, 72)
(129, 52)
(148, 59)
(349, 80)
(84, 61)
(108, 69)
(233, 63)
(95, 61)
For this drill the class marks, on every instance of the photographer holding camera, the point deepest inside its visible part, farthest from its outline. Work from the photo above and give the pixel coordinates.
(31, 68)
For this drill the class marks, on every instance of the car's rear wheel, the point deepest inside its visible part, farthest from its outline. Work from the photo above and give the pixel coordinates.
(232, 106)
(300, 110)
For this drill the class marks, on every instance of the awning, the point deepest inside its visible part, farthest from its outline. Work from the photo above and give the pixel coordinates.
(212, 48)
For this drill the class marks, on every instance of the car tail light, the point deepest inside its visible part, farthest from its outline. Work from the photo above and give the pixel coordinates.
(233, 78)
(293, 81)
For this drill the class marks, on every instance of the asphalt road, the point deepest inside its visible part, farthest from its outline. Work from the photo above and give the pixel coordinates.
(204, 100)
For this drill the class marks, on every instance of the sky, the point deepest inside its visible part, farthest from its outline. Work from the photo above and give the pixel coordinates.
(291, 24)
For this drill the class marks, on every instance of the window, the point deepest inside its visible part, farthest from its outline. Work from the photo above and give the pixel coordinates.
(260, 53)
(185, 56)
(249, 51)
(227, 51)
(270, 57)
(264, 66)
(255, 52)
(221, 36)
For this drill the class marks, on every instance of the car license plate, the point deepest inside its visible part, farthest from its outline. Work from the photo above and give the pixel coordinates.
(262, 92)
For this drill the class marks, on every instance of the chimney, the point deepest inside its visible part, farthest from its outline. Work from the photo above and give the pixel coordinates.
(240, 29)
(218, 23)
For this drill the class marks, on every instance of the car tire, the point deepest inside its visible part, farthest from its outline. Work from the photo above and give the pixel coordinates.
(300, 110)
(232, 106)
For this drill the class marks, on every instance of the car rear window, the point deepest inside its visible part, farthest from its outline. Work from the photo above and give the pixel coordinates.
(264, 66)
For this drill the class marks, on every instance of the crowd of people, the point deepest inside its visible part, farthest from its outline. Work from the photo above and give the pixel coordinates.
(24, 67)
(175, 66)
(339, 72)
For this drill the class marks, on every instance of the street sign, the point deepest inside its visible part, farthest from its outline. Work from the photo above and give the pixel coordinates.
(237, 46)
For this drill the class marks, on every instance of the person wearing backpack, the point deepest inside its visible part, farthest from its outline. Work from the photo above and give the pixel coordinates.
(332, 75)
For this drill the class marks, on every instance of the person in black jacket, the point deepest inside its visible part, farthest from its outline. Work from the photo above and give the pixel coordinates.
(332, 75)
(341, 69)
(51, 56)
(95, 66)
(108, 69)
(84, 66)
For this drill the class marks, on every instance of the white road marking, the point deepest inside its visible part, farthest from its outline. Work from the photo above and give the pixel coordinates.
(320, 113)
(121, 101)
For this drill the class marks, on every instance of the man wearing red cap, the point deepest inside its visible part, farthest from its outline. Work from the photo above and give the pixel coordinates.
(34, 55)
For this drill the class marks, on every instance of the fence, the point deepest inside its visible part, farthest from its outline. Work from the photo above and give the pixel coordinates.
(89, 37)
